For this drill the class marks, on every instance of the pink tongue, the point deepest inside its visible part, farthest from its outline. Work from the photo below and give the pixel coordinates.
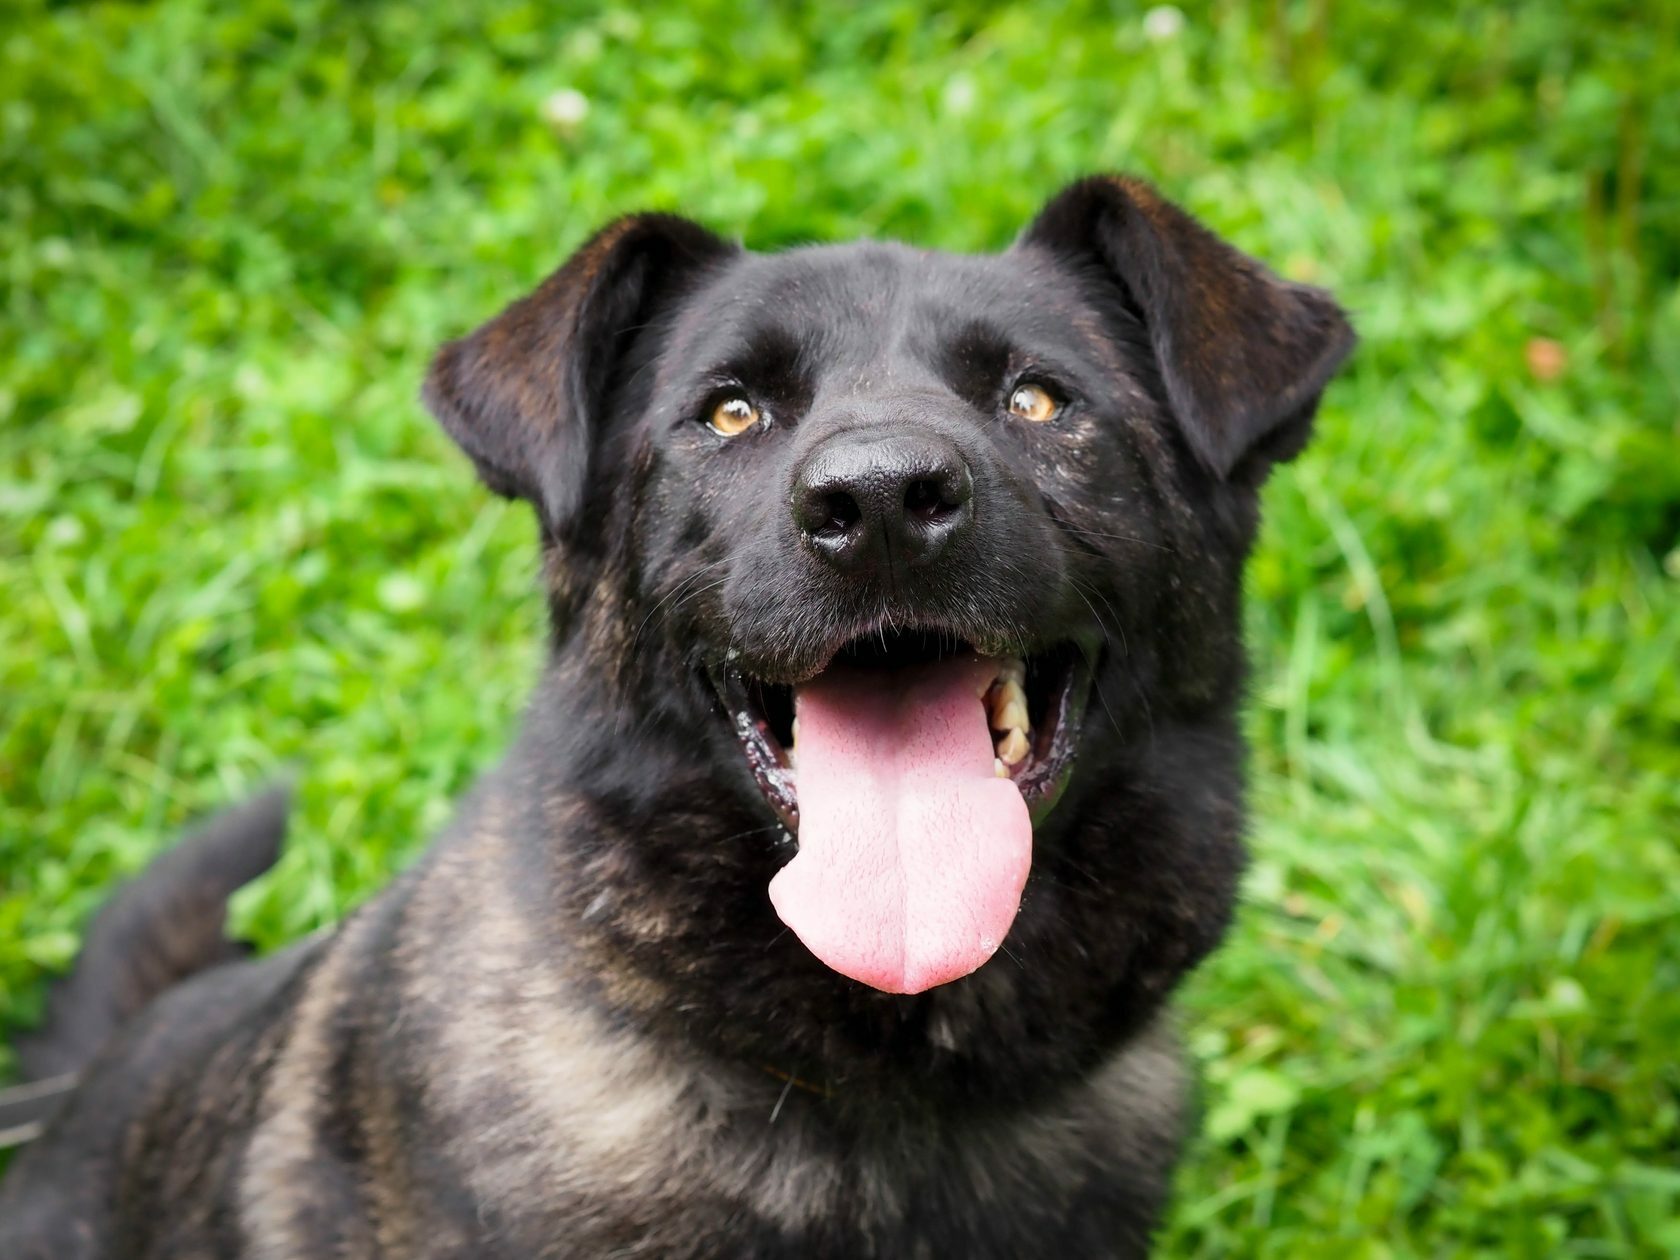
(912, 852)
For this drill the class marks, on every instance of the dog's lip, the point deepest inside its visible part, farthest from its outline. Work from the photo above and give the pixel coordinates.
(766, 758)
(795, 669)
(1041, 780)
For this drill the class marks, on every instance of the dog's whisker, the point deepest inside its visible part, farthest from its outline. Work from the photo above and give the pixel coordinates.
(1118, 631)
(1131, 538)
(781, 1098)
(751, 831)
(674, 593)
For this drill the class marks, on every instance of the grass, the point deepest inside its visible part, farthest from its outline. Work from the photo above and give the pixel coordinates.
(230, 542)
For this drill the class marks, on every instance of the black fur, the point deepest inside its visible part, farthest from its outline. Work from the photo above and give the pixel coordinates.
(578, 1028)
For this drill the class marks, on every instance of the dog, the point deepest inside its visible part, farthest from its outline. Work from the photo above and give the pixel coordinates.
(883, 780)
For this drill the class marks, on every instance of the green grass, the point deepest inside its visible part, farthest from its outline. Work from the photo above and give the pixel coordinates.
(1448, 1022)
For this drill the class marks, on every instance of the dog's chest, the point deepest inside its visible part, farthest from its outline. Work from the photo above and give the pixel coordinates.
(656, 1160)
(745, 1185)
(556, 1131)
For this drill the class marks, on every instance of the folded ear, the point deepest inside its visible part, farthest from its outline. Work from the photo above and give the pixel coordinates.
(524, 395)
(1243, 354)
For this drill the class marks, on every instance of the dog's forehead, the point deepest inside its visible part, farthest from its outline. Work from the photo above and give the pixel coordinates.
(860, 303)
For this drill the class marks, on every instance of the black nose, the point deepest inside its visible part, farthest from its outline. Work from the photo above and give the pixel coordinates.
(866, 499)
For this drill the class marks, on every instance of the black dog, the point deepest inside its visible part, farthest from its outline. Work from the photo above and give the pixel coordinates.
(895, 609)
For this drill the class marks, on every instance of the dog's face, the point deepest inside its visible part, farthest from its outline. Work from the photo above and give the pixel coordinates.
(916, 551)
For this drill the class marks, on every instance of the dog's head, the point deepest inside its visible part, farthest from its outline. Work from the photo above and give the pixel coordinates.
(914, 552)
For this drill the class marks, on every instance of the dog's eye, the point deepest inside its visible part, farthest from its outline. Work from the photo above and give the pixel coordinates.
(1033, 402)
(733, 416)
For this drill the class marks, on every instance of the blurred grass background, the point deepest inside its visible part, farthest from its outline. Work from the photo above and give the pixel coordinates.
(1448, 1022)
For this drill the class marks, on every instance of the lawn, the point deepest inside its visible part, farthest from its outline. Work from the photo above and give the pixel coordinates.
(231, 543)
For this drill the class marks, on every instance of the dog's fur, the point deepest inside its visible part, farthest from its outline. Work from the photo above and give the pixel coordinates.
(576, 1028)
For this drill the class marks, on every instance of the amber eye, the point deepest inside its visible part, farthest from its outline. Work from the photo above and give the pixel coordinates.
(1033, 402)
(733, 416)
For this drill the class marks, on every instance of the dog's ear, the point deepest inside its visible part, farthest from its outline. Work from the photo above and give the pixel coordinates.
(1243, 354)
(524, 394)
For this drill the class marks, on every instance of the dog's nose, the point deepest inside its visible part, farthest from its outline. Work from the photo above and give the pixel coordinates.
(898, 500)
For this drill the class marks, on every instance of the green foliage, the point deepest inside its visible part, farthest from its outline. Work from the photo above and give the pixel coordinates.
(231, 543)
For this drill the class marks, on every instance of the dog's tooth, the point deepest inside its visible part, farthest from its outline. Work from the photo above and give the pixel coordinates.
(999, 769)
(1009, 708)
(1012, 717)
(1010, 670)
(1012, 748)
(795, 739)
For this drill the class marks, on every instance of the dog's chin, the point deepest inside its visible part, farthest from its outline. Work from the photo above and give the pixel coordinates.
(1033, 702)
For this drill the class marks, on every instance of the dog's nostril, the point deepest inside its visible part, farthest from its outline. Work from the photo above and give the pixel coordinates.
(925, 501)
(840, 512)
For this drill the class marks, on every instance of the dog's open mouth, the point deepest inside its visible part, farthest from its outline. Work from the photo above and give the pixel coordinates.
(911, 768)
